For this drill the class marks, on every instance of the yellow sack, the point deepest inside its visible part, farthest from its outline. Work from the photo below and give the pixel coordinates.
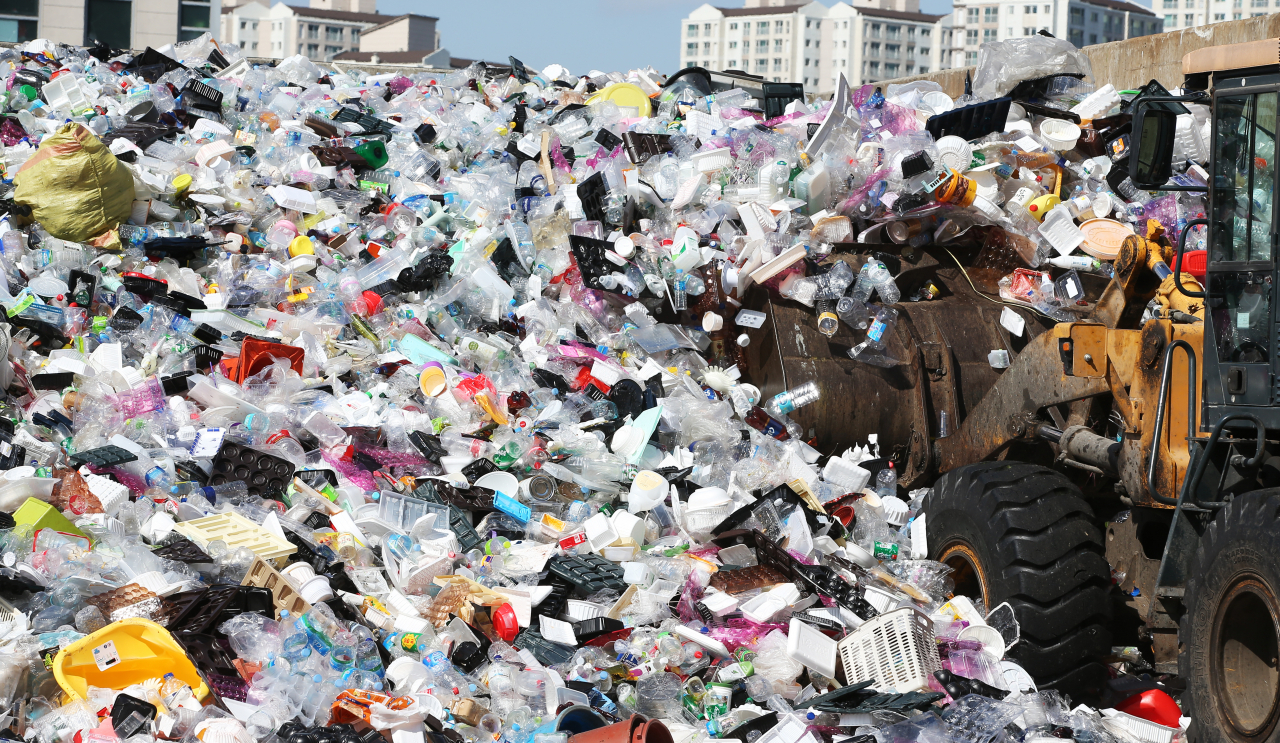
(76, 188)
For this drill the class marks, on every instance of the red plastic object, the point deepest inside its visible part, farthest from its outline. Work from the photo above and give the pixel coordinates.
(1153, 705)
(1195, 263)
(372, 301)
(505, 623)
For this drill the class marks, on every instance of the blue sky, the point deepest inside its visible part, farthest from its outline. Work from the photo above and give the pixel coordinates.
(580, 34)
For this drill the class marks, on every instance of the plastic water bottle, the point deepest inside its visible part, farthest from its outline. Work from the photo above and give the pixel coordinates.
(887, 482)
(785, 403)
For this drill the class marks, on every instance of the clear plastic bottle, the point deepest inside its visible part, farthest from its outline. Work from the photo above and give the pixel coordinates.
(785, 403)
(887, 482)
(872, 350)
(174, 691)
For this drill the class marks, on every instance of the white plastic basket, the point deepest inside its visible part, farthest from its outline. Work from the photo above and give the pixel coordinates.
(896, 651)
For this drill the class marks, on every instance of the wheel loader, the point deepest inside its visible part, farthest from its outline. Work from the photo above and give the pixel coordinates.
(1119, 482)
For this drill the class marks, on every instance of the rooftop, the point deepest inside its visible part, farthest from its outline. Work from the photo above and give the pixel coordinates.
(393, 19)
(340, 15)
(900, 15)
(1122, 5)
(777, 10)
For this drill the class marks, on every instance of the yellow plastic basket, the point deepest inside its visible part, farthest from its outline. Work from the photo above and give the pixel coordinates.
(145, 651)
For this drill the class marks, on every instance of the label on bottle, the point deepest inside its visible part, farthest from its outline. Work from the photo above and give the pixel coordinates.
(773, 429)
(573, 540)
(885, 550)
(876, 331)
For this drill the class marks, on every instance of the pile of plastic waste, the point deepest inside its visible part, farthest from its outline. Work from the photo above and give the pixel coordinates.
(365, 408)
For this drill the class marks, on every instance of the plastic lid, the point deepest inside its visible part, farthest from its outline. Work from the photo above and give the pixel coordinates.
(1103, 238)
(647, 491)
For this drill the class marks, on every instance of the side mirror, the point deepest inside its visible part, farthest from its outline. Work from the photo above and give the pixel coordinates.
(1151, 153)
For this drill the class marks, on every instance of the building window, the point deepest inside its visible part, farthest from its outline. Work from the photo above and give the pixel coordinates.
(1093, 38)
(706, 47)
(1259, 3)
(971, 15)
(806, 61)
(244, 25)
(1170, 4)
(971, 36)
(333, 33)
(331, 50)
(875, 30)
(706, 29)
(924, 51)
(733, 45)
(313, 50)
(14, 26)
(925, 33)
(1235, 16)
(777, 45)
(924, 69)
(733, 64)
(875, 49)
(990, 34)
(1189, 19)
(692, 30)
(1170, 19)
(893, 51)
(194, 18)
(762, 46)
(691, 48)
(733, 27)
(970, 58)
(990, 15)
(777, 64)
(1219, 16)
(109, 21)
(762, 27)
(893, 32)
(762, 65)
(1077, 37)
(1077, 15)
(875, 68)
(891, 68)
(313, 31)
(1028, 31)
(777, 26)
(355, 37)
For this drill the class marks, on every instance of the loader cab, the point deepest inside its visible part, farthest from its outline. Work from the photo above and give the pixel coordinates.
(1240, 356)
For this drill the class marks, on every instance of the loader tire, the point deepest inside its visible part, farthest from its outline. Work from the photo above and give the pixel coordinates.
(1229, 636)
(1024, 534)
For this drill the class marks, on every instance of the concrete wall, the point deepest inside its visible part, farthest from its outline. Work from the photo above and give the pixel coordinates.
(405, 34)
(1130, 64)
(155, 22)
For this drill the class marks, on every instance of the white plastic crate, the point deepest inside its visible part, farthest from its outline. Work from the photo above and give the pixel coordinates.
(1143, 730)
(895, 650)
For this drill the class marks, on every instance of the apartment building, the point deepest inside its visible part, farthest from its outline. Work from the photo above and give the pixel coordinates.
(124, 24)
(779, 42)
(1191, 13)
(812, 44)
(868, 44)
(1082, 22)
(325, 29)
